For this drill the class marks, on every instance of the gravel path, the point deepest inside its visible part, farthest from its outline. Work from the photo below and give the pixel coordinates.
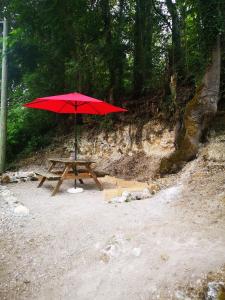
(78, 246)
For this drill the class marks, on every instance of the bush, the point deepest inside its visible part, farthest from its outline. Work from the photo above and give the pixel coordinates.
(28, 129)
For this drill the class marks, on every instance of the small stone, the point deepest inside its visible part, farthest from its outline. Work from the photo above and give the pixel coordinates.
(26, 281)
(21, 210)
(5, 193)
(13, 179)
(97, 246)
(164, 257)
(3, 187)
(136, 252)
(181, 296)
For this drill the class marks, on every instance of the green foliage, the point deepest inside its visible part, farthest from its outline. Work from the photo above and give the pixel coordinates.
(28, 130)
(109, 49)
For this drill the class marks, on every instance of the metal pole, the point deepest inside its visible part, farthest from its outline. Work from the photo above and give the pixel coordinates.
(75, 144)
(75, 137)
(3, 113)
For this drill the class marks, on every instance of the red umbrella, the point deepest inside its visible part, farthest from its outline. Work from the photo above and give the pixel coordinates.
(74, 103)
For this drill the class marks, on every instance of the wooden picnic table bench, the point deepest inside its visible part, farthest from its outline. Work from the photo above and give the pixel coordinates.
(72, 169)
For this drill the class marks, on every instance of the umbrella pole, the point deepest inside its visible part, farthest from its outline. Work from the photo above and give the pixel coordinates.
(75, 137)
(75, 147)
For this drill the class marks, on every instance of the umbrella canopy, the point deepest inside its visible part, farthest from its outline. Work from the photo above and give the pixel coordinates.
(74, 103)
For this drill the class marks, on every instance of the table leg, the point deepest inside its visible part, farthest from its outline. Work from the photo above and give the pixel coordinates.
(60, 181)
(56, 189)
(76, 173)
(43, 177)
(93, 175)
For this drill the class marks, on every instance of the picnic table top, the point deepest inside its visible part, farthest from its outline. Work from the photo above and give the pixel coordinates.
(69, 160)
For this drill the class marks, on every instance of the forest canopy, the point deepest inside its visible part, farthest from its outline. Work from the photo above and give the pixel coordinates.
(109, 49)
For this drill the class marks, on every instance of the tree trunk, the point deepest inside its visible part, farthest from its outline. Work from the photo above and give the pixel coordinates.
(106, 14)
(138, 50)
(199, 111)
(142, 46)
(119, 56)
(177, 57)
(148, 42)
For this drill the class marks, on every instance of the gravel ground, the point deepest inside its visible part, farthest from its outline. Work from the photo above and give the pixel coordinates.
(78, 246)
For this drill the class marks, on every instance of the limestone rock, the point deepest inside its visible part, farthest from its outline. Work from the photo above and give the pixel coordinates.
(21, 210)
(181, 296)
(18, 177)
(216, 291)
(136, 252)
(131, 196)
(153, 140)
(153, 188)
(5, 193)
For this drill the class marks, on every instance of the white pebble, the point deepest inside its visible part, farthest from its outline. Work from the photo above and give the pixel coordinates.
(21, 210)
(136, 252)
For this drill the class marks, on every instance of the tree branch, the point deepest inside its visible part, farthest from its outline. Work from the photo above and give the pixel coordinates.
(161, 14)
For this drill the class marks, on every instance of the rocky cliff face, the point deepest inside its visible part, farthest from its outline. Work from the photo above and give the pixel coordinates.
(129, 151)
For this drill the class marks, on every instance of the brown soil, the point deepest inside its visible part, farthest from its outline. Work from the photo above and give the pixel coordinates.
(138, 166)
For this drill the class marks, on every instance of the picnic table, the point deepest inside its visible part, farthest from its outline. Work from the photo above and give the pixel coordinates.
(72, 169)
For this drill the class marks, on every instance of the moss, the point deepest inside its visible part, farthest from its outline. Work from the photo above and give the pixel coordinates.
(221, 295)
(188, 139)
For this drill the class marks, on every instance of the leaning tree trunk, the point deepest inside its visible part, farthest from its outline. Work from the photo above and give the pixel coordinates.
(199, 111)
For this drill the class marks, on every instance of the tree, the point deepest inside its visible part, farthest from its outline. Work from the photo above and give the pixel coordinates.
(3, 112)
(201, 109)
(143, 30)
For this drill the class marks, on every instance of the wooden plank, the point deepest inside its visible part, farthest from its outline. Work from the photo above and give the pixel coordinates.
(48, 175)
(73, 162)
(43, 177)
(56, 189)
(79, 176)
(93, 175)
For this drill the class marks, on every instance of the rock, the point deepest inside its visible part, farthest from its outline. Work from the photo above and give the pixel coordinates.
(120, 199)
(136, 252)
(153, 188)
(2, 188)
(13, 179)
(164, 257)
(18, 177)
(181, 296)
(12, 200)
(216, 291)
(113, 248)
(5, 193)
(128, 196)
(5, 178)
(21, 210)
